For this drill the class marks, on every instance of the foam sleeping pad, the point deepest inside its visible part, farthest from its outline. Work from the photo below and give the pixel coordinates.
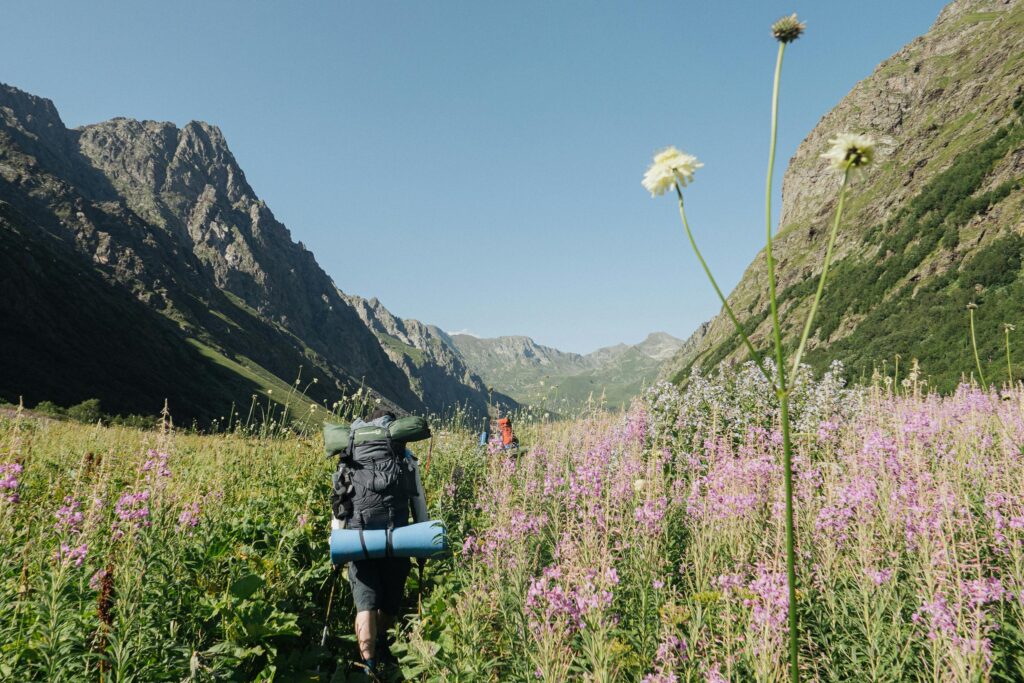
(425, 539)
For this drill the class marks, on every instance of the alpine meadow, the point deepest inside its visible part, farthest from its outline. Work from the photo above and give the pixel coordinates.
(216, 465)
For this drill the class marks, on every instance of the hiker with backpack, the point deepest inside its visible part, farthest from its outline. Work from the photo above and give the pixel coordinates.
(374, 485)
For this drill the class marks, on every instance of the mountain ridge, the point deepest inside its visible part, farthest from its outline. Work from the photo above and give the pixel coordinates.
(935, 223)
(538, 374)
(167, 215)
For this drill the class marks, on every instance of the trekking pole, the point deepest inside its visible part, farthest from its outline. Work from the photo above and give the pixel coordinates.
(327, 616)
(430, 451)
(421, 563)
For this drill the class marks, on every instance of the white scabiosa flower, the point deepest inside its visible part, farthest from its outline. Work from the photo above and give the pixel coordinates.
(669, 167)
(850, 151)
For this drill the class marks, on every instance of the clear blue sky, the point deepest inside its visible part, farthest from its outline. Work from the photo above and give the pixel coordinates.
(492, 151)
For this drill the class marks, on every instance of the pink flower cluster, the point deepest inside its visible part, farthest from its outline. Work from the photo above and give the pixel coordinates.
(156, 463)
(856, 503)
(499, 544)
(69, 516)
(735, 488)
(879, 576)
(670, 655)
(555, 600)
(941, 618)
(650, 514)
(1004, 512)
(73, 555)
(766, 596)
(9, 472)
(189, 517)
(96, 581)
(132, 510)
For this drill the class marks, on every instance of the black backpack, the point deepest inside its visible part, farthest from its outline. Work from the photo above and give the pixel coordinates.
(374, 481)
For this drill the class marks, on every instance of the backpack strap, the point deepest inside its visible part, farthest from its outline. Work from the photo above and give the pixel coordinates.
(350, 451)
(391, 443)
(362, 541)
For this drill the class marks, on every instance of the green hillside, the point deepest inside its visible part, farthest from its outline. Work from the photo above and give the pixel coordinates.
(936, 224)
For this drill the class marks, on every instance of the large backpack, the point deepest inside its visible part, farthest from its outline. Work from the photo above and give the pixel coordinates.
(375, 480)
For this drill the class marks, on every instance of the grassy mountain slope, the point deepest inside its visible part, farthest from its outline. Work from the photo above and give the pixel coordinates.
(427, 355)
(166, 214)
(541, 375)
(936, 223)
(68, 335)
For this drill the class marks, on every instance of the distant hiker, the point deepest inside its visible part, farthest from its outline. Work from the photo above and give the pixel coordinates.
(373, 490)
(508, 438)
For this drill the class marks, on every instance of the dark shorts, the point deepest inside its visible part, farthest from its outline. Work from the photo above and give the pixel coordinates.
(379, 584)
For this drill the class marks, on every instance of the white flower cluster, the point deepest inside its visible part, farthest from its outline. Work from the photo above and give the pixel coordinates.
(670, 166)
(734, 399)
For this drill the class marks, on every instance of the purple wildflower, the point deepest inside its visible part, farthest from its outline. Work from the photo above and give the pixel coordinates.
(878, 576)
(69, 516)
(75, 555)
(9, 472)
(132, 510)
(189, 517)
(650, 514)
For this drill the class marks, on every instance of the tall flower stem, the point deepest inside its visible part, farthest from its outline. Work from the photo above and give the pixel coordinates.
(769, 255)
(974, 346)
(787, 451)
(725, 304)
(824, 273)
(781, 389)
(1009, 366)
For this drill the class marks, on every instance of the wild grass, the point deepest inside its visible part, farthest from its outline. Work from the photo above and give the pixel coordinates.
(651, 546)
(647, 545)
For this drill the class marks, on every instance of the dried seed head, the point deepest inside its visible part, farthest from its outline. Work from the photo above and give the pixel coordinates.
(105, 599)
(788, 29)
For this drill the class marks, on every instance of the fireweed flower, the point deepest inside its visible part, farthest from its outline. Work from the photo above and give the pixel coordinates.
(650, 514)
(69, 516)
(75, 555)
(788, 29)
(850, 151)
(189, 517)
(132, 510)
(878, 576)
(670, 166)
(156, 461)
(9, 472)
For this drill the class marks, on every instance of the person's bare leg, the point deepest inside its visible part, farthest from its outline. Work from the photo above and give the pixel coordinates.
(366, 633)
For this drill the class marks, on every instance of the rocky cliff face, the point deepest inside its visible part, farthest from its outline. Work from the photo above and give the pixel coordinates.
(430, 359)
(166, 214)
(934, 224)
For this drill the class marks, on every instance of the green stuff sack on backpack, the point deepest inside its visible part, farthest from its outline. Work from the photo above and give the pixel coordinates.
(409, 429)
(404, 429)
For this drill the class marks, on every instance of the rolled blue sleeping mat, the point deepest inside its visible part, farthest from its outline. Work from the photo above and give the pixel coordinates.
(425, 539)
